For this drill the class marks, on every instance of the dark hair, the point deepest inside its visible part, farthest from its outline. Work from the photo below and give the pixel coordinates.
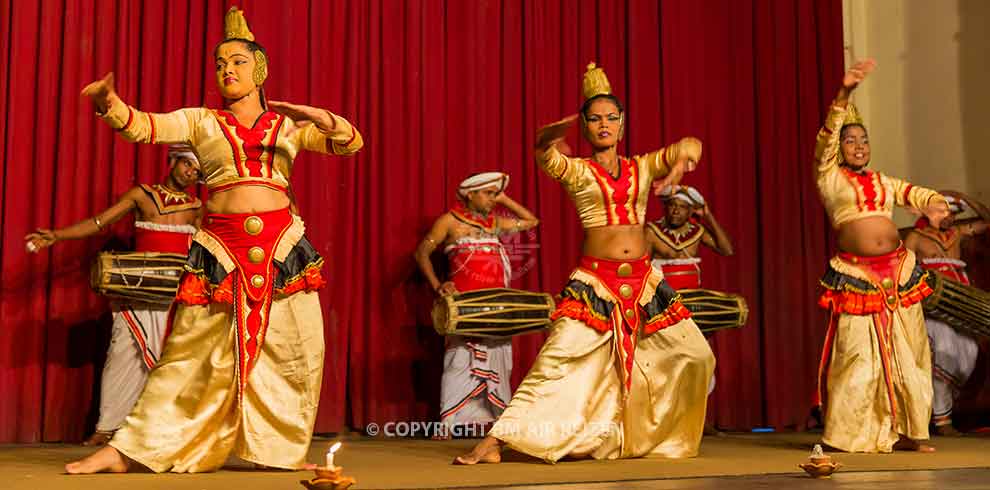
(611, 98)
(842, 132)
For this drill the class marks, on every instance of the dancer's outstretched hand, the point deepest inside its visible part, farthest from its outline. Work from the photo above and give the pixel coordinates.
(100, 91)
(554, 133)
(40, 239)
(673, 177)
(936, 212)
(303, 114)
(858, 73)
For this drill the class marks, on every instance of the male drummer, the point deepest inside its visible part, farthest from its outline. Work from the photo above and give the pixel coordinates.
(953, 353)
(165, 219)
(674, 241)
(474, 388)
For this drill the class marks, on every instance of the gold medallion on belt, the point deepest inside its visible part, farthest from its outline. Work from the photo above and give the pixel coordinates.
(253, 225)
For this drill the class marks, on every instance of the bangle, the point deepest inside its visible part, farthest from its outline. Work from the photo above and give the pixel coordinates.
(99, 224)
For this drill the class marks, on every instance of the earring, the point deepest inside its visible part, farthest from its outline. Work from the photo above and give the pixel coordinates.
(260, 72)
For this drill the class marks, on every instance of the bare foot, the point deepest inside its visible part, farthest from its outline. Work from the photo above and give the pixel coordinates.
(106, 460)
(99, 438)
(489, 450)
(907, 444)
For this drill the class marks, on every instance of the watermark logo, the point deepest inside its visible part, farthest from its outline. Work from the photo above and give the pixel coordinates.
(540, 430)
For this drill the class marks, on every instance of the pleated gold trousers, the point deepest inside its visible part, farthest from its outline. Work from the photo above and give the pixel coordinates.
(572, 402)
(192, 416)
(867, 409)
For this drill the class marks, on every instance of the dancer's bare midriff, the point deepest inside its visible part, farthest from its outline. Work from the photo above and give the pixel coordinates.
(615, 242)
(247, 199)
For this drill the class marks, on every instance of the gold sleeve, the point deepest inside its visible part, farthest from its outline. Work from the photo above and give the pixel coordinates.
(827, 145)
(912, 196)
(659, 162)
(342, 139)
(558, 166)
(148, 127)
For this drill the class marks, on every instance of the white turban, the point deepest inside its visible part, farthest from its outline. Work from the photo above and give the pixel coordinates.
(183, 151)
(685, 193)
(956, 205)
(481, 181)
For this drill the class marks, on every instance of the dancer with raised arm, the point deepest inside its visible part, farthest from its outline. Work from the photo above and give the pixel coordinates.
(624, 371)
(242, 369)
(875, 376)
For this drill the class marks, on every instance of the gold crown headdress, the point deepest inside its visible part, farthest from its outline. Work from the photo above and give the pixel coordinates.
(852, 115)
(595, 82)
(235, 27)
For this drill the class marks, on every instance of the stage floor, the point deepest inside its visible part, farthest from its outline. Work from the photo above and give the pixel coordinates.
(743, 460)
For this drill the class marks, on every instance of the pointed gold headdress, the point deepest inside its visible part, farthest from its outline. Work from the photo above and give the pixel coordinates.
(852, 115)
(595, 82)
(235, 27)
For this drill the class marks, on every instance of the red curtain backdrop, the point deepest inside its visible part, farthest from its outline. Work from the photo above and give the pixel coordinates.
(439, 89)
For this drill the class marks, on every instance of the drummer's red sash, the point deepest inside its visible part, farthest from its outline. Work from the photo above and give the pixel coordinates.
(879, 297)
(682, 273)
(154, 237)
(950, 268)
(625, 297)
(477, 264)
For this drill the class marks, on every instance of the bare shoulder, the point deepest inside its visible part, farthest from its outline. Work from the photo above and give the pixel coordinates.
(136, 194)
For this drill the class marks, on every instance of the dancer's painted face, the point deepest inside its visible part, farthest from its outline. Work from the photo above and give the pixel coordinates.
(603, 124)
(235, 64)
(855, 146)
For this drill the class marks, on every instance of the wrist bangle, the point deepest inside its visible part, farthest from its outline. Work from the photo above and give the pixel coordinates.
(99, 224)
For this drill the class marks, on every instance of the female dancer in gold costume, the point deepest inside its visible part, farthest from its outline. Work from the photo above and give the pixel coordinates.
(624, 372)
(875, 375)
(242, 368)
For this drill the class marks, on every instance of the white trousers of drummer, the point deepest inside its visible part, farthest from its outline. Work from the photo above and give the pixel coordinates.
(136, 341)
(474, 388)
(953, 360)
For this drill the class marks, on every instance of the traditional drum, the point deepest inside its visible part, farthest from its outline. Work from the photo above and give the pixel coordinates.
(147, 277)
(492, 312)
(962, 307)
(712, 310)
